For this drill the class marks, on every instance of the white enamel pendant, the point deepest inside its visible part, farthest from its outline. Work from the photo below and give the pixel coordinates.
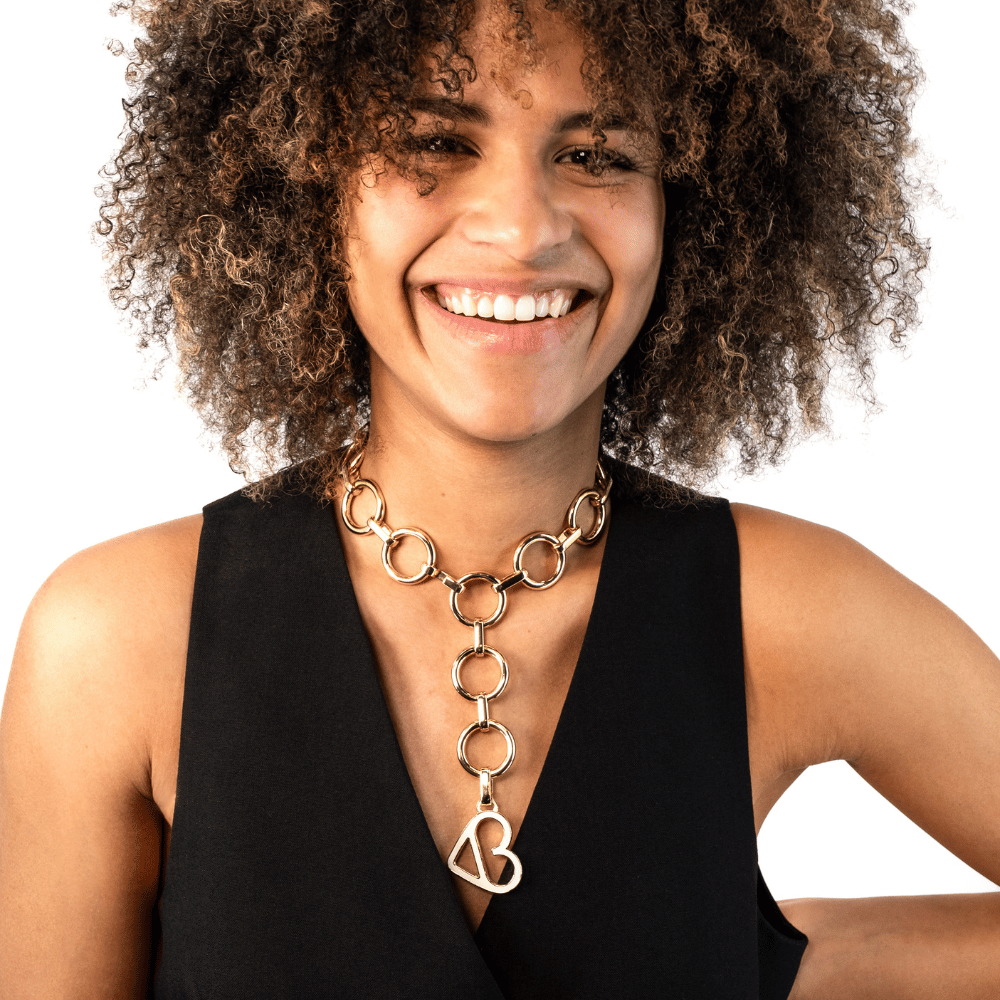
(470, 835)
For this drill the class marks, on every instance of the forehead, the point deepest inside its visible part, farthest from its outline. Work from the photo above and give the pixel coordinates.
(504, 50)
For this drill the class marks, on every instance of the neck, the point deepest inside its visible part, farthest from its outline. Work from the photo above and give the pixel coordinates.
(475, 498)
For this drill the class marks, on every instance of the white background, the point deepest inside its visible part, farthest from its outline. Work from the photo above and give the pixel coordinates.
(89, 453)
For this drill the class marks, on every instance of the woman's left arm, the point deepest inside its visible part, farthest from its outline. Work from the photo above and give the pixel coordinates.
(848, 660)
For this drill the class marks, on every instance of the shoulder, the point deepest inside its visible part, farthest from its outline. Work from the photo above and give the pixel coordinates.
(840, 648)
(104, 639)
(119, 590)
(811, 599)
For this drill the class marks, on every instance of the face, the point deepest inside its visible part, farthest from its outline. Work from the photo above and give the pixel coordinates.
(496, 306)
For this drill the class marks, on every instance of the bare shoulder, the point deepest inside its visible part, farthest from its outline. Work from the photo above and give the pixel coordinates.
(120, 581)
(847, 659)
(106, 634)
(125, 568)
(818, 609)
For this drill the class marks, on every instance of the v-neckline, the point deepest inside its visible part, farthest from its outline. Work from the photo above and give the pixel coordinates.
(477, 935)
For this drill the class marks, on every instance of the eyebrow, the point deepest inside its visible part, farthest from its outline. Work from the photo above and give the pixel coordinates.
(460, 111)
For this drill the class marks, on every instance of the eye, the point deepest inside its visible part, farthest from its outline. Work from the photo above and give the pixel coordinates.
(435, 144)
(597, 159)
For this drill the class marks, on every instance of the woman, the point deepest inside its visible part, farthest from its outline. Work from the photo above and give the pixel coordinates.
(481, 433)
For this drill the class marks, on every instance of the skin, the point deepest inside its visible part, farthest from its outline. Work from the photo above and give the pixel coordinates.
(845, 658)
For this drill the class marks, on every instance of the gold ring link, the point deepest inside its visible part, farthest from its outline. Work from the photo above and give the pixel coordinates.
(463, 581)
(483, 706)
(357, 486)
(426, 570)
(494, 772)
(597, 502)
(456, 673)
(540, 536)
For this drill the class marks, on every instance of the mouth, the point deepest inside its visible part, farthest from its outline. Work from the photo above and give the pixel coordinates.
(501, 307)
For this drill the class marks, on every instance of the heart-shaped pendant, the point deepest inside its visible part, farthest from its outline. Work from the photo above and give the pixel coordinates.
(471, 836)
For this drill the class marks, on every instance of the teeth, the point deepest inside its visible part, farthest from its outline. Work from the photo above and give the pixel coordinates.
(523, 308)
(503, 308)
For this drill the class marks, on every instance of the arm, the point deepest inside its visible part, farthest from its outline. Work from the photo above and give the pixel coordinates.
(905, 947)
(80, 832)
(846, 659)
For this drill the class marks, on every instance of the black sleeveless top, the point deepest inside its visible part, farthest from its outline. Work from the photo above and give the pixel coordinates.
(301, 864)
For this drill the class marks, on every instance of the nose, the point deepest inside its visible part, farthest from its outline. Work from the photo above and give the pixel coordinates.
(514, 205)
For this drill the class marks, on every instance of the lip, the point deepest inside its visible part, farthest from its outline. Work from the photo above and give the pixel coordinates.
(513, 337)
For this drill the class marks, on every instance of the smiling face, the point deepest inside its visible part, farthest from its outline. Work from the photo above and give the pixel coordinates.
(496, 306)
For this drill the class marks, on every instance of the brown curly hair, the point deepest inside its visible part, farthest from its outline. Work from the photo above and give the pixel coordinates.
(784, 136)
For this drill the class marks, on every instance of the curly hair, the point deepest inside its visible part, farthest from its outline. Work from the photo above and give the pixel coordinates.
(784, 140)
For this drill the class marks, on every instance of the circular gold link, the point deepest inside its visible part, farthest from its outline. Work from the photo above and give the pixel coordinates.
(494, 772)
(540, 536)
(462, 581)
(351, 489)
(456, 670)
(425, 570)
(597, 502)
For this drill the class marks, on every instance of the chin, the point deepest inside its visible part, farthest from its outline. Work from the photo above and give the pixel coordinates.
(504, 427)
(507, 418)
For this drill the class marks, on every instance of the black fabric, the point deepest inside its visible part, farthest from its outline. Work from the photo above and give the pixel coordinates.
(301, 864)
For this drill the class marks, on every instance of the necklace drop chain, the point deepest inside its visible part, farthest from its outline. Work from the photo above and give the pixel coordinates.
(571, 534)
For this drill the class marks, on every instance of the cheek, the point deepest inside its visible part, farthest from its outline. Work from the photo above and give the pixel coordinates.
(377, 244)
(633, 251)
(387, 228)
(644, 239)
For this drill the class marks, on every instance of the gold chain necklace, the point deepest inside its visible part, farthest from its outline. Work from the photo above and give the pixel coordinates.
(597, 495)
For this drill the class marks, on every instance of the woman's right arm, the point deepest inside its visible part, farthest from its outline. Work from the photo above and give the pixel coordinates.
(80, 831)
